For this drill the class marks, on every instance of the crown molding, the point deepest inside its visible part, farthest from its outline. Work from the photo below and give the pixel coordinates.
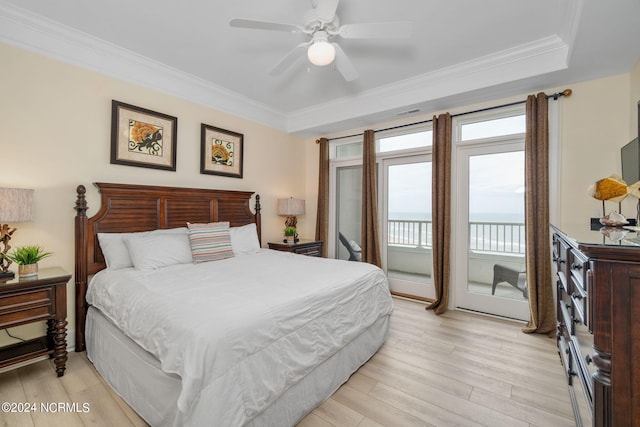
(35, 33)
(539, 57)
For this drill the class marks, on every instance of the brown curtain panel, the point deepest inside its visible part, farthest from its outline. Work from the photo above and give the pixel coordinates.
(370, 239)
(536, 217)
(322, 214)
(441, 208)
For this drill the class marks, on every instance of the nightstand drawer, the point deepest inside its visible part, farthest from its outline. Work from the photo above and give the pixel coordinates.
(308, 250)
(26, 307)
(25, 299)
(302, 247)
(25, 316)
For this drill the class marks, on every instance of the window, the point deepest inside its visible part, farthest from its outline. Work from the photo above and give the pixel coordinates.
(493, 128)
(406, 141)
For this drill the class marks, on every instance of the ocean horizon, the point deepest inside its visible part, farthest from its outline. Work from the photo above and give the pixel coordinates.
(473, 216)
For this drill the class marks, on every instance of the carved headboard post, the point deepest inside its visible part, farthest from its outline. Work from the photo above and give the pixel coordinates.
(81, 274)
(258, 218)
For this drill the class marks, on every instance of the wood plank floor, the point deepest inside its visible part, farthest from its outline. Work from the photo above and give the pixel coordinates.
(458, 369)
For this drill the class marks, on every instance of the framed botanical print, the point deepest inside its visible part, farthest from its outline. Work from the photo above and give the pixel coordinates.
(143, 138)
(221, 152)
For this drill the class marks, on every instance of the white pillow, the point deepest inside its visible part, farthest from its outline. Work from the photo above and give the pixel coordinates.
(116, 254)
(152, 251)
(244, 240)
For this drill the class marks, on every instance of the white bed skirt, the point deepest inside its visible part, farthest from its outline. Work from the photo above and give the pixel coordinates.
(135, 374)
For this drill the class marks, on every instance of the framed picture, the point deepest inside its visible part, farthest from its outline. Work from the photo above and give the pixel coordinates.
(143, 138)
(221, 152)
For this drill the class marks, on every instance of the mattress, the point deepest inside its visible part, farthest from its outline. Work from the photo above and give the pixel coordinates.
(238, 335)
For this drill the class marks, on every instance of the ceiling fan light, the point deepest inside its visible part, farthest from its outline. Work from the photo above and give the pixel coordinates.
(321, 53)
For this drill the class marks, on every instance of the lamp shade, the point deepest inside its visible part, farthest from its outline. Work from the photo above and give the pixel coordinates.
(321, 53)
(16, 205)
(290, 207)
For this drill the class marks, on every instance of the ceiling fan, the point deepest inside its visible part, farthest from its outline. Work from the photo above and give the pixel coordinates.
(322, 26)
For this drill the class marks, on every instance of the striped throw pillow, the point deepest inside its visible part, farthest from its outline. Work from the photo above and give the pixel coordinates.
(210, 242)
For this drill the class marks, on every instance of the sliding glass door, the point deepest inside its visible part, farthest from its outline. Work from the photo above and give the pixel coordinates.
(489, 269)
(348, 212)
(406, 221)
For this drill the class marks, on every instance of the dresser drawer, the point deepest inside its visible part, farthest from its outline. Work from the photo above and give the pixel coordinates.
(578, 264)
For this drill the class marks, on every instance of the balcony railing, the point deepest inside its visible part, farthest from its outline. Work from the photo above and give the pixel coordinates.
(501, 237)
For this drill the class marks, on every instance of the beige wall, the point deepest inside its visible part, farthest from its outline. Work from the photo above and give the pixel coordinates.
(56, 122)
(596, 123)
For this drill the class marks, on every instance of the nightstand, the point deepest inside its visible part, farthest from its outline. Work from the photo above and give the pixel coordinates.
(303, 247)
(34, 299)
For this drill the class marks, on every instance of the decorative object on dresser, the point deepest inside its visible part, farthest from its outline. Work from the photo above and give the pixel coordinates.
(291, 208)
(29, 300)
(303, 247)
(15, 206)
(143, 138)
(221, 151)
(598, 309)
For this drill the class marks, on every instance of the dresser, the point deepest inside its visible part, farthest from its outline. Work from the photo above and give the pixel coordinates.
(303, 247)
(598, 334)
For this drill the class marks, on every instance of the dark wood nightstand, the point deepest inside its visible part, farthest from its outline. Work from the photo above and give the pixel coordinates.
(303, 247)
(35, 299)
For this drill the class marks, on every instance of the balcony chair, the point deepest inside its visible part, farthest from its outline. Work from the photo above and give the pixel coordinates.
(516, 278)
(355, 252)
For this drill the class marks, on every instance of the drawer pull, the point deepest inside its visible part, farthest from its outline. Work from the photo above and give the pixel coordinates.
(576, 266)
(576, 295)
(588, 359)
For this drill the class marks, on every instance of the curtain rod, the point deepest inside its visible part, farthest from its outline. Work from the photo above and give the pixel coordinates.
(555, 96)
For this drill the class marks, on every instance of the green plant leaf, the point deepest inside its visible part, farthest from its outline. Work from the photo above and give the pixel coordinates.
(25, 255)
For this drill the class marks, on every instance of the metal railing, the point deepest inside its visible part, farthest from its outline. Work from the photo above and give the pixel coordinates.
(502, 237)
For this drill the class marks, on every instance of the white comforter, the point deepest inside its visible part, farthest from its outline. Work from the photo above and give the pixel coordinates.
(240, 331)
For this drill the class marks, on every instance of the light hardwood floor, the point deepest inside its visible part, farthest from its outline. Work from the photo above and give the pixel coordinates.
(458, 369)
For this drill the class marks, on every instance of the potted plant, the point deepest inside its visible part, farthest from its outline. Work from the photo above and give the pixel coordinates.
(290, 233)
(27, 258)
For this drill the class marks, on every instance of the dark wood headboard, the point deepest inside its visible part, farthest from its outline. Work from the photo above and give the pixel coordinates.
(129, 208)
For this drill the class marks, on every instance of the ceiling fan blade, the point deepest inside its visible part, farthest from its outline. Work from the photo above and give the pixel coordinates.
(326, 10)
(288, 60)
(264, 25)
(344, 65)
(396, 30)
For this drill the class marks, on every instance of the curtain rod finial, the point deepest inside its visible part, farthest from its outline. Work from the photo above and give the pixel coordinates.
(567, 92)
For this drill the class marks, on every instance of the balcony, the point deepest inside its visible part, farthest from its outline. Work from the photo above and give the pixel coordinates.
(410, 245)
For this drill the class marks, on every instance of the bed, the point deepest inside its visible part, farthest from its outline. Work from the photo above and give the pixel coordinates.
(254, 337)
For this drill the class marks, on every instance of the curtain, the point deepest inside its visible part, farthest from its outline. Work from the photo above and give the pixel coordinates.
(322, 214)
(536, 217)
(370, 238)
(441, 208)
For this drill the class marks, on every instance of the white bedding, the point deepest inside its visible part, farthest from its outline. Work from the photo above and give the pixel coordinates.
(241, 331)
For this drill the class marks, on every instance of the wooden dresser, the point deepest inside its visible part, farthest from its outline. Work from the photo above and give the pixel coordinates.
(598, 308)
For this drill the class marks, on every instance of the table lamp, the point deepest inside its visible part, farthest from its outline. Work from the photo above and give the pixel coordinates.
(291, 208)
(15, 206)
